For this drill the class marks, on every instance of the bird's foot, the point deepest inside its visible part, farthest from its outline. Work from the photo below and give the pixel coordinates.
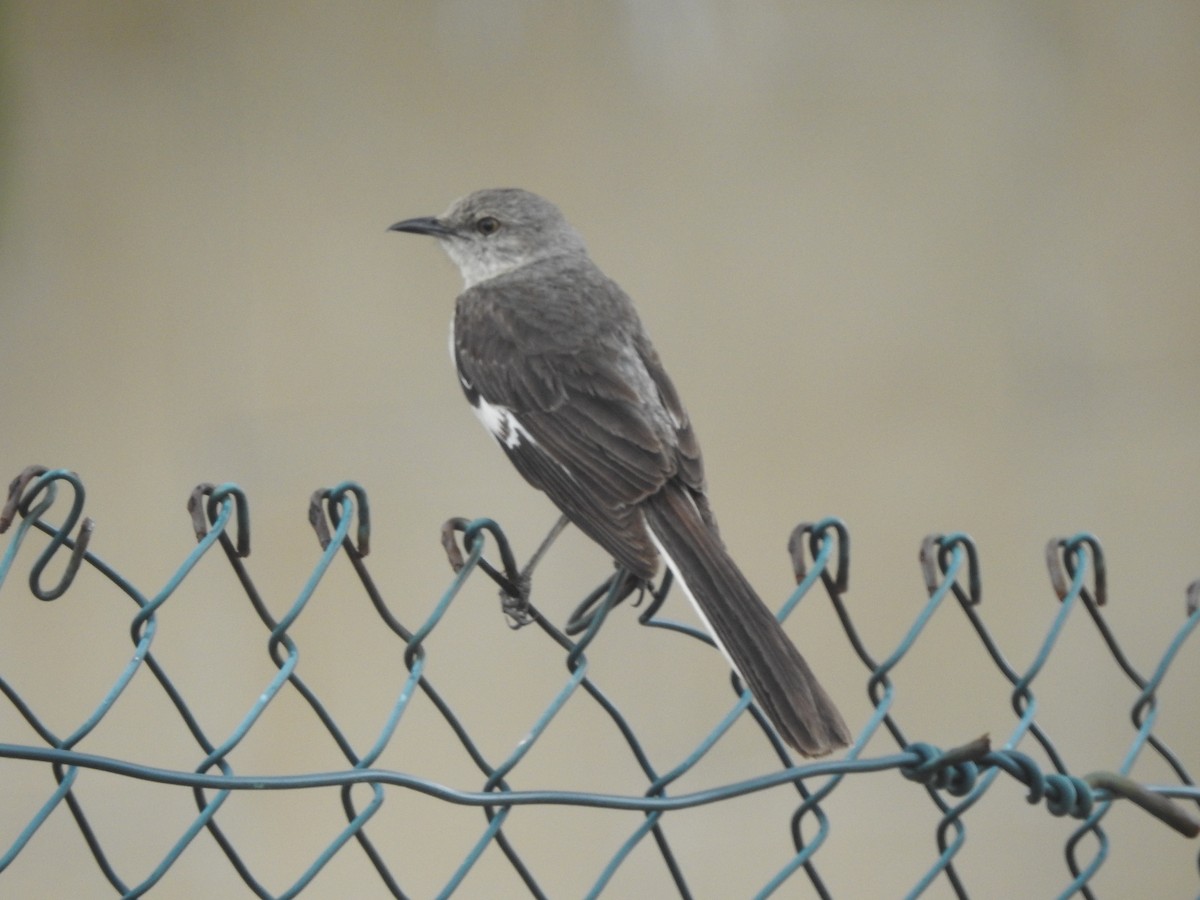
(518, 612)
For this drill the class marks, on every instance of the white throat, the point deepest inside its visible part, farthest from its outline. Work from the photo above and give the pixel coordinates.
(477, 267)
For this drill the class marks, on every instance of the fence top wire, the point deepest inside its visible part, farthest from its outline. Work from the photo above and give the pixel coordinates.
(954, 779)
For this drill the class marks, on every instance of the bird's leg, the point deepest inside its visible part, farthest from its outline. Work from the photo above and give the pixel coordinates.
(515, 605)
(551, 537)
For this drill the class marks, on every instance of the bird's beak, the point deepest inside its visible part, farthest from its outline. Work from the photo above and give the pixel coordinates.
(423, 225)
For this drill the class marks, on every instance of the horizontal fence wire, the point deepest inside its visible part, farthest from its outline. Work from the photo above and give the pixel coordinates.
(954, 779)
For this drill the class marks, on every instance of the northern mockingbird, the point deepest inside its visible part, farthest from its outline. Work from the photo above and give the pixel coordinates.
(553, 358)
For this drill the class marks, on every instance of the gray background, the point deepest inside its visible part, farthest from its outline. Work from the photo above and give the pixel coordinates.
(927, 267)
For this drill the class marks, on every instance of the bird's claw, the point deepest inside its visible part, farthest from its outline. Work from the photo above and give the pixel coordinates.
(515, 604)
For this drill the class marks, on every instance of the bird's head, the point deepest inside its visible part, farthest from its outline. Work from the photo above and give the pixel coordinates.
(494, 231)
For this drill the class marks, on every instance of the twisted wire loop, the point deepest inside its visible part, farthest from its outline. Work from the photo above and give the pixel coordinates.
(22, 492)
(954, 779)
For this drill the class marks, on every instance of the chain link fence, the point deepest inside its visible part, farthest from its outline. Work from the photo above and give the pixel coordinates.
(954, 780)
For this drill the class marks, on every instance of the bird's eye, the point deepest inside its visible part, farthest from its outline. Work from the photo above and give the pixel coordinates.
(488, 225)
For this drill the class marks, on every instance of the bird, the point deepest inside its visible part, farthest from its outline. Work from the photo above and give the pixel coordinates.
(554, 360)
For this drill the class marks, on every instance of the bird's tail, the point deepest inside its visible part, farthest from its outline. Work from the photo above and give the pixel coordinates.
(745, 630)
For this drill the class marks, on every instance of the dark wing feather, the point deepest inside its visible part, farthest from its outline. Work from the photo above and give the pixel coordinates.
(563, 350)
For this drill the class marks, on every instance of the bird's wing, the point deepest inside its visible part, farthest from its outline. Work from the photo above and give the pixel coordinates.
(687, 447)
(584, 412)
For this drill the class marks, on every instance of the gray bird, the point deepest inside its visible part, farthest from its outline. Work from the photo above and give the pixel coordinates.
(555, 361)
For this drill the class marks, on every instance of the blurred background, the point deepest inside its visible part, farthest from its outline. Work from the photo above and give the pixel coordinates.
(924, 267)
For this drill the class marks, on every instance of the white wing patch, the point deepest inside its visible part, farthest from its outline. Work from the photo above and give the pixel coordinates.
(502, 424)
(499, 420)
